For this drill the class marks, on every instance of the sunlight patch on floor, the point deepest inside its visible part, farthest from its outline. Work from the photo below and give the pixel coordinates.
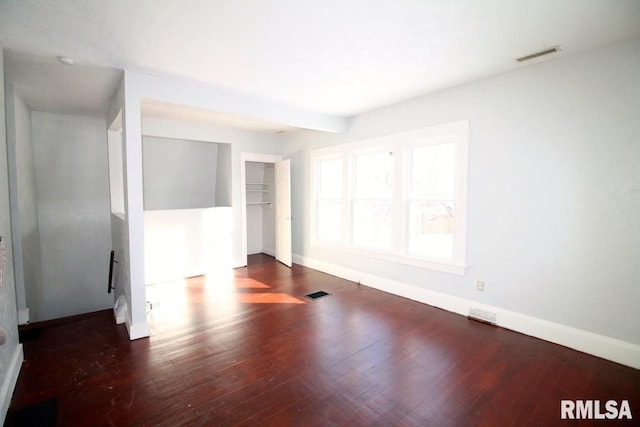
(222, 289)
(248, 283)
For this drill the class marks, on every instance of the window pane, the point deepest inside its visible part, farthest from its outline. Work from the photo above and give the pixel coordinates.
(433, 172)
(374, 175)
(329, 220)
(372, 223)
(330, 178)
(431, 229)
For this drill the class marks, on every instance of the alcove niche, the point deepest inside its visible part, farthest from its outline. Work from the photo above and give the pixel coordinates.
(187, 207)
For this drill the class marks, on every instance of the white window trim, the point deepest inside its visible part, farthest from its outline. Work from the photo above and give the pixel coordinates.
(398, 143)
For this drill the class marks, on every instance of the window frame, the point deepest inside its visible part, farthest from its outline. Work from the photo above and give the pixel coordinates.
(401, 145)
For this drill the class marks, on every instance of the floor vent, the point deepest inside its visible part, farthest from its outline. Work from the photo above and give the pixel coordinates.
(481, 315)
(316, 295)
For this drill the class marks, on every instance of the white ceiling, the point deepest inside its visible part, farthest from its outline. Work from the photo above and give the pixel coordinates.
(339, 57)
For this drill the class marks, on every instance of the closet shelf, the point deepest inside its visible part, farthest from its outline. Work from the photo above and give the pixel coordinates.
(258, 188)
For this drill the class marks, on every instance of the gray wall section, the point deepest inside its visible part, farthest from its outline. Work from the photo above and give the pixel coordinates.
(553, 197)
(254, 175)
(28, 208)
(179, 174)
(223, 176)
(8, 311)
(10, 105)
(70, 157)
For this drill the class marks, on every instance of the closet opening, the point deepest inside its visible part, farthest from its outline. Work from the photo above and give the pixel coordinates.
(260, 192)
(266, 206)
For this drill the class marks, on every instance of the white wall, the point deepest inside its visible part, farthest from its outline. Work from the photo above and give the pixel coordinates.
(11, 355)
(183, 243)
(24, 204)
(70, 157)
(553, 204)
(128, 230)
(116, 171)
(179, 173)
(121, 281)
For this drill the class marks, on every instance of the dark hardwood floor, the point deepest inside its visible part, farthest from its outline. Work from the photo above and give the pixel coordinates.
(250, 349)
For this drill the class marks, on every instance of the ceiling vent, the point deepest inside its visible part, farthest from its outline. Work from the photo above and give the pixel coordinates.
(539, 54)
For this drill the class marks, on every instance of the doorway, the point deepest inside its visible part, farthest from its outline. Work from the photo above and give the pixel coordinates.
(266, 206)
(260, 194)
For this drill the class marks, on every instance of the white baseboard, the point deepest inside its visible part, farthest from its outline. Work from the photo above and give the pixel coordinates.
(602, 346)
(10, 380)
(136, 330)
(269, 251)
(23, 316)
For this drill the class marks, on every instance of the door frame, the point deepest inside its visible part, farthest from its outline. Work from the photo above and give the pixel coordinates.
(244, 158)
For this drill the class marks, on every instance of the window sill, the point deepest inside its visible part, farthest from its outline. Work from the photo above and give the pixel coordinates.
(445, 267)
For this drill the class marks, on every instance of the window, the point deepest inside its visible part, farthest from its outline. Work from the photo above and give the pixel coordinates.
(431, 202)
(400, 198)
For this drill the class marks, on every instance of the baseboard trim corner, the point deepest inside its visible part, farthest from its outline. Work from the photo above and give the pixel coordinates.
(269, 251)
(136, 330)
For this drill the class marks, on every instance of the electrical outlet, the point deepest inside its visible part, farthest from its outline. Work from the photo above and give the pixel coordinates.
(480, 285)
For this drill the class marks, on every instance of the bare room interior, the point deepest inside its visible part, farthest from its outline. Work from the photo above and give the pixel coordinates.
(319, 213)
